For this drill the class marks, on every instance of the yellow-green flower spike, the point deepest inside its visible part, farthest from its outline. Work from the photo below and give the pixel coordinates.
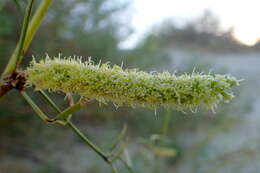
(131, 87)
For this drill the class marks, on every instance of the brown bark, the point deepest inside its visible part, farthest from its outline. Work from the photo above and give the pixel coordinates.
(5, 89)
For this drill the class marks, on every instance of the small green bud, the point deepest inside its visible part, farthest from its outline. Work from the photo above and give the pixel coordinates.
(130, 86)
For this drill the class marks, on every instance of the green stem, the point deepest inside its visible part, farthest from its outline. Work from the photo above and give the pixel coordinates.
(129, 168)
(64, 116)
(34, 106)
(117, 155)
(36, 21)
(88, 142)
(19, 48)
(32, 28)
(113, 167)
(48, 99)
(119, 138)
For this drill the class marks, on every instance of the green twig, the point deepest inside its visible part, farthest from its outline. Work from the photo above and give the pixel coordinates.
(119, 138)
(117, 155)
(113, 167)
(88, 142)
(129, 168)
(32, 28)
(19, 48)
(24, 33)
(34, 106)
(70, 124)
(39, 112)
(36, 21)
(48, 99)
(65, 116)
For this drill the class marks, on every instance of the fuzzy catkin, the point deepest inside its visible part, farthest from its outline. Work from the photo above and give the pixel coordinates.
(130, 86)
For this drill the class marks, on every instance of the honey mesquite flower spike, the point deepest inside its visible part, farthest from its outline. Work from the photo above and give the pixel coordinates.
(130, 87)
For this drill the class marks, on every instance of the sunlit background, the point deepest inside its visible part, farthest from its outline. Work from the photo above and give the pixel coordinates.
(166, 35)
(240, 15)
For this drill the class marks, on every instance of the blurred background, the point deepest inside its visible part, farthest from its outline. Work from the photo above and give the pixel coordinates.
(167, 35)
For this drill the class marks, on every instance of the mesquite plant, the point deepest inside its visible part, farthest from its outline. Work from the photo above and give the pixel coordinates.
(105, 83)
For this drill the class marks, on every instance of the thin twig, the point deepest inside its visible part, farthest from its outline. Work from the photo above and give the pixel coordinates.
(24, 33)
(117, 155)
(11, 66)
(48, 99)
(119, 138)
(88, 142)
(113, 167)
(39, 112)
(63, 115)
(130, 169)
(36, 21)
(34, 106)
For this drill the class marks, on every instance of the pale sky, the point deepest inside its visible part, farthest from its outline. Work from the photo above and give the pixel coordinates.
(244, 15)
